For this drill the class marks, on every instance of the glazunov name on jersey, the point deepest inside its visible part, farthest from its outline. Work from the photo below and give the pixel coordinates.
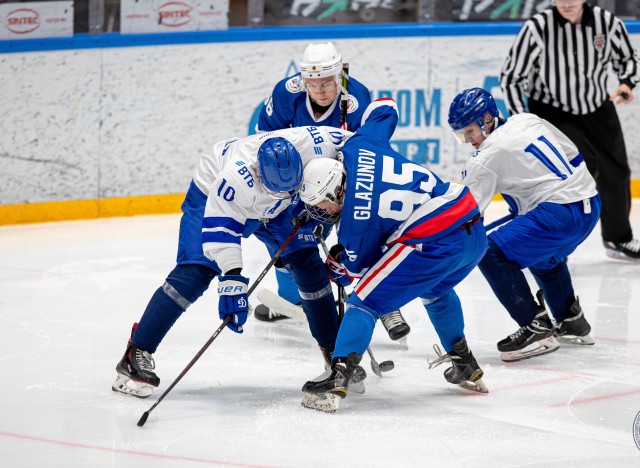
(364, 185)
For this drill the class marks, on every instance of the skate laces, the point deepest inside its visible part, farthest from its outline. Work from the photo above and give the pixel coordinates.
(392, 319)
(145, 360)
(273, 314)
(518, 332)
(633, 245)
(441, 359)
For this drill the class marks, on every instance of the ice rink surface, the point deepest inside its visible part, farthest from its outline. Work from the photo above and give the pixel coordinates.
(70, 291)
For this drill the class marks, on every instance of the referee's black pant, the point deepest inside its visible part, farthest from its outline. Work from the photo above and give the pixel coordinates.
(599, 138)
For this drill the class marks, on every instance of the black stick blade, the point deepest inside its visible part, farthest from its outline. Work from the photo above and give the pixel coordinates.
(143, 419)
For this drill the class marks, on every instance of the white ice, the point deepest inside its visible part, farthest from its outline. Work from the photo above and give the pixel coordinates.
(70, 291)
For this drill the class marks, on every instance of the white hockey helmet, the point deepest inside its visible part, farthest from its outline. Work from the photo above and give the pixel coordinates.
(320, 60)
(323, 179)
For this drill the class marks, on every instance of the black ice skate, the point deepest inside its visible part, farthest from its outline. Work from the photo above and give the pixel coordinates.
(395, 325)
(534, 339)
(135, 372)
(624, 250)
(265, 314)
(325, 391)
(465, 371)
(574, 329)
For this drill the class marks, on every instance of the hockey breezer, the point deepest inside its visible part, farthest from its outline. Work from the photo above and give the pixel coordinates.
(145, 415)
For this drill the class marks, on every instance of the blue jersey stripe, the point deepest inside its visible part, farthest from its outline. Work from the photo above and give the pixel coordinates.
(222, 222)
(219, 238)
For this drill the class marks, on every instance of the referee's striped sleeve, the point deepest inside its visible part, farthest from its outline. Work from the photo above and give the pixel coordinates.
(515, 70)
(625, 61)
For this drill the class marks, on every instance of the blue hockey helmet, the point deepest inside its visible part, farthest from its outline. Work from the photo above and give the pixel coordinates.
(279, 167)
(471, 106)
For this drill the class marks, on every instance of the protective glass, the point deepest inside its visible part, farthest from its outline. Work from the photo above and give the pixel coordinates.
(458, 135)
(281, 195)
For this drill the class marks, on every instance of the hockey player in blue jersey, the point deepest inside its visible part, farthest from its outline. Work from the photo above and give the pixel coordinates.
(542, 176)
(243, 184)
(405, 234)
(312, 97)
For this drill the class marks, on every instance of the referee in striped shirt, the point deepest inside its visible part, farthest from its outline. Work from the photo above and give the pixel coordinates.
(560, 60)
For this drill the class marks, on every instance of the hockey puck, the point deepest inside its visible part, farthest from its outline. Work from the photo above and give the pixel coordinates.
(386, 366)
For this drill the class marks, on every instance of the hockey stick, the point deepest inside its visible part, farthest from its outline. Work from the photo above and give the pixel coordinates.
(274, 259)
(377, 369)
(344, 107)
(344, 98)
(499, 222)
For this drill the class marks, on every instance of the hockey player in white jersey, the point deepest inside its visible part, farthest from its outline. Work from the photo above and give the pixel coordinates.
(312, 97)
(405, 234)
(543, 178)
(243, 184)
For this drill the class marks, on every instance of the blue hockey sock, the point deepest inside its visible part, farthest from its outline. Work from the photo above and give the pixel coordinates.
(318, 302)
(446, 316)
(508, 284)
(184, 285)
(356, 329)
(554, 279)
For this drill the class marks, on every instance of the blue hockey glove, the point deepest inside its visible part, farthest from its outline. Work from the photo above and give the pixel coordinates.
(337, 273)
(232, 290)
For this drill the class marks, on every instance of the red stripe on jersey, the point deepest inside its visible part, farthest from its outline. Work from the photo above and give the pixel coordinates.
(441, 222)
(364, 283)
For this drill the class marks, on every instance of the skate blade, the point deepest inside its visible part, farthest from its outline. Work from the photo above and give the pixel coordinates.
(356, 387)
(620, 256)
(477, 386)
(124, 384)
(326, 403)
(575, 340)
(404, 344)
(280, 305)
(539, 348)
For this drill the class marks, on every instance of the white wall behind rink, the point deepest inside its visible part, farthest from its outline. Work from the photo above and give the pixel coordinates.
(117, 122)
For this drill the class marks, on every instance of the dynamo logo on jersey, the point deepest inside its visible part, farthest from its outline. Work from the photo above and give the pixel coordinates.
(294, 85)
(336, 138)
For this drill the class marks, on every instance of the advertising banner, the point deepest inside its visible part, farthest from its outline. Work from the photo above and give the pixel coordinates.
(315, 12)
(35, 20)
(496, 10)
(162, 16)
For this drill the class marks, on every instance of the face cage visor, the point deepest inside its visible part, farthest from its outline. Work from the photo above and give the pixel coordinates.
(323, 216)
